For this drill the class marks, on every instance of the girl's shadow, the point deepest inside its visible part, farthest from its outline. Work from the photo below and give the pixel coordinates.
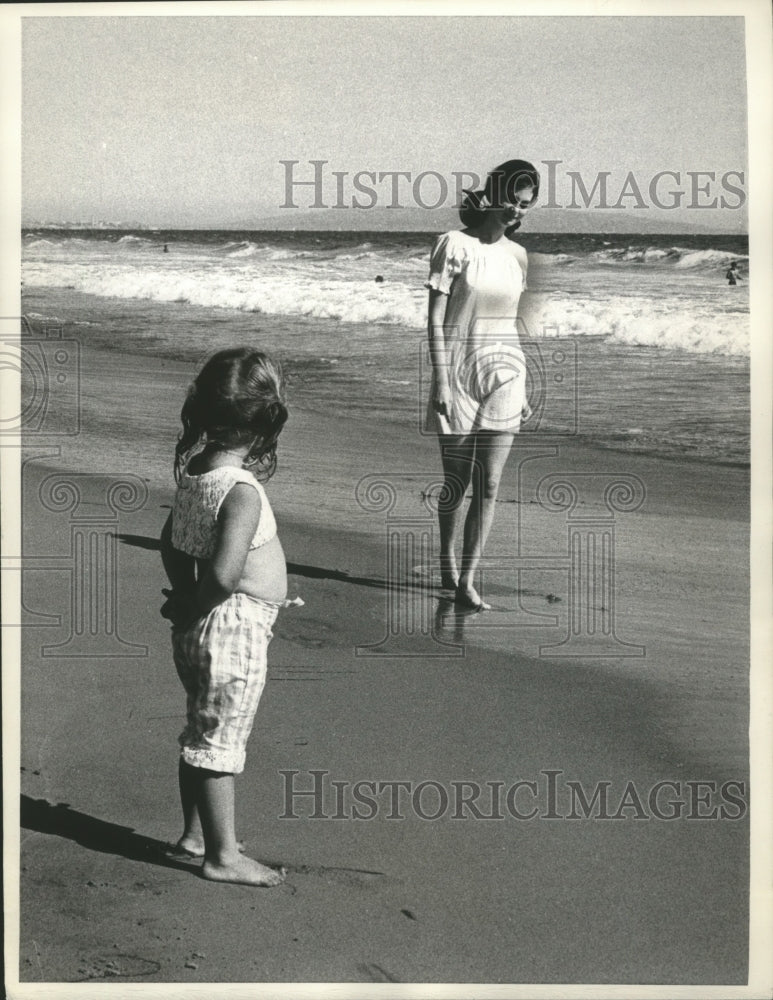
(95, 834)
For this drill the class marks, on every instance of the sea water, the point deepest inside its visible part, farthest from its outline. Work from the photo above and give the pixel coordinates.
(636, 343)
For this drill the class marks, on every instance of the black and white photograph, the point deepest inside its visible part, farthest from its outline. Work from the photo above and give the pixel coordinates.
(386, 459)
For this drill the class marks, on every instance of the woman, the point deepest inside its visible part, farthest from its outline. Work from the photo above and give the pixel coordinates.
(478, 394)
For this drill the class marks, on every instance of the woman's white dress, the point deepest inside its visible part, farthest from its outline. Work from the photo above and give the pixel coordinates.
(486, 366)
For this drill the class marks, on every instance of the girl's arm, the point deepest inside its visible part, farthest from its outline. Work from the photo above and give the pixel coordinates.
(438, 303)
(180, 567)
(180, 607)
(237, 523)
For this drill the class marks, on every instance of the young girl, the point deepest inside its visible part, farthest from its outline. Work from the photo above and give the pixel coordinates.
(227, 570)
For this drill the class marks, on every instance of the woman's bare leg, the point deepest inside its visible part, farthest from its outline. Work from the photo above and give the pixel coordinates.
(457, 452)
(490, 456)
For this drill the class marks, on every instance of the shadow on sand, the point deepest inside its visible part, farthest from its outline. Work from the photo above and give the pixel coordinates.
(95, 834)
(296, 569)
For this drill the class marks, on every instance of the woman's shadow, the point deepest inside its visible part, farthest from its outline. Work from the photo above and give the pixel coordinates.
(295, 569)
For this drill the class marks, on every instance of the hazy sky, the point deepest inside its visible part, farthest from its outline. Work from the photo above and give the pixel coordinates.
(184, 120)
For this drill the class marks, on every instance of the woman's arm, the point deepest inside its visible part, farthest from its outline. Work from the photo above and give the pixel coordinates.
(237, 523)
(438, 302)
(523, 261)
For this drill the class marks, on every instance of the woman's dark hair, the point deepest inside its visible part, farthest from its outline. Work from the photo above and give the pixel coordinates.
(501, 185)
(236, 399)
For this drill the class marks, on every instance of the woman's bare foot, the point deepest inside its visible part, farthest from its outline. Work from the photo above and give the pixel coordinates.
(448, 581)
(468, 598)
(242, 871)
(449, 577)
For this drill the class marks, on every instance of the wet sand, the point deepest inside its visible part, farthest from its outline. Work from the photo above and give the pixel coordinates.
(637, 899)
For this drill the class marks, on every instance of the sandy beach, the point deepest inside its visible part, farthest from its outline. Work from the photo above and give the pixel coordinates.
(563, 796)
(468, 898)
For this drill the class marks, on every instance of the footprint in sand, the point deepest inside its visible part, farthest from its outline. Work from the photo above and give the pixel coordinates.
(356, 878)
(308, 641)
(376, 974)
(311, 632)
(116, 966)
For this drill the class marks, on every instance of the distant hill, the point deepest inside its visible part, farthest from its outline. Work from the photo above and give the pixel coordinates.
(416, 219)
(539, 220)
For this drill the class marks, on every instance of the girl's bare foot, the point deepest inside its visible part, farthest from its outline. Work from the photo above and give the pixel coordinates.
(242, 871)
(468, 599)
(190, 847)
(193, 846)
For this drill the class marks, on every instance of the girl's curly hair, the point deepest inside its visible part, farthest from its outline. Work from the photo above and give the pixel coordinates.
(236, 399)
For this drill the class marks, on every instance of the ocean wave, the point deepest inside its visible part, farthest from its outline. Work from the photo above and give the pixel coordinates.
(282, 254)
(365, 255)
(679, 257)
(245, 250)
(673, 320)
(34, 244)
(39, 244)
(708, 259)
(271, 294)
(666, 323)
(552, 258)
